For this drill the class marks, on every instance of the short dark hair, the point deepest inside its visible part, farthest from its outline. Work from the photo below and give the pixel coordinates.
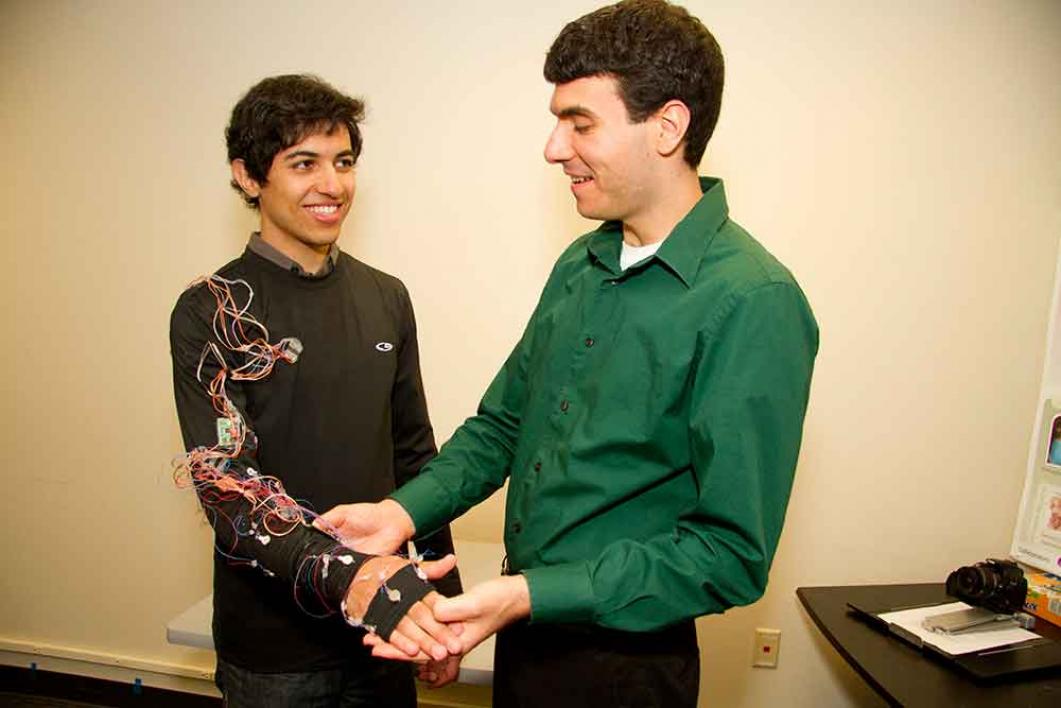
(657, 52)
(279, 112)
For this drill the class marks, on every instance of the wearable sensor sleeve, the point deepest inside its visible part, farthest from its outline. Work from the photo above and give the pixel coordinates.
(322, 570)
(385, 613)
(288, 555)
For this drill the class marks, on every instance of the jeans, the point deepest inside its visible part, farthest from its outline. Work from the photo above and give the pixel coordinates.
(376, 684)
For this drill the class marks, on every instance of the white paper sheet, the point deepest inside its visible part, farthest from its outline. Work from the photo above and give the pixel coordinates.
(964, 643)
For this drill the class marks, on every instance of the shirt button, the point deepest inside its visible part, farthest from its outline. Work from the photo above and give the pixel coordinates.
(516, 527)
(589, 341)
(564, 405)
(537, 466)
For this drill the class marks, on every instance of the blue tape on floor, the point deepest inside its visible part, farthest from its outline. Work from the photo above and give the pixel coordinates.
(138, 687)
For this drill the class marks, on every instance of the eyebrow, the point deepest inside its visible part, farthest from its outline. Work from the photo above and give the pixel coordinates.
(309, 153)
(575, 111)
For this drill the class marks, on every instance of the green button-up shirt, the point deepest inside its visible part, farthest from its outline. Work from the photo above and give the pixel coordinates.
(649, 421)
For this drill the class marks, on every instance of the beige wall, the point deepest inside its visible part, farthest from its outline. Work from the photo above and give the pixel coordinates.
(903, 160)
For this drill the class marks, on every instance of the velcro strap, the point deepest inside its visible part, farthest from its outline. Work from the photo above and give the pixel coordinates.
(400, 592)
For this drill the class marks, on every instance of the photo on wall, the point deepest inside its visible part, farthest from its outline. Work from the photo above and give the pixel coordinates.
(1048, 516)
(1053, 450)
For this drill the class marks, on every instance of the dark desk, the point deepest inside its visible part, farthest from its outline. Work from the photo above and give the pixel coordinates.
(899, 672)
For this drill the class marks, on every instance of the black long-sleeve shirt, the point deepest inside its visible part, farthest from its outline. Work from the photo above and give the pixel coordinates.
(347, 422)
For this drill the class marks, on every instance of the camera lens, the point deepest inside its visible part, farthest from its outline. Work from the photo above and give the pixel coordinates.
(973, 581)
(993, 584)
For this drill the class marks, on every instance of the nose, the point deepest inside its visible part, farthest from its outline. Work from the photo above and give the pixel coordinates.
(329, 182)
(558, 146)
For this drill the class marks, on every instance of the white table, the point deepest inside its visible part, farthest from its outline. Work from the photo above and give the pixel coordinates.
(477, 562)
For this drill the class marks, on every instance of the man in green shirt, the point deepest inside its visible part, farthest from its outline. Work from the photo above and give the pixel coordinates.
(649, 419)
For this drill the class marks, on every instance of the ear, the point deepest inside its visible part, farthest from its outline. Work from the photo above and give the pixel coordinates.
(672, 120)
(247, 183)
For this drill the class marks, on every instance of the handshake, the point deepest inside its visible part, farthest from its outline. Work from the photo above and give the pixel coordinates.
(436, 631)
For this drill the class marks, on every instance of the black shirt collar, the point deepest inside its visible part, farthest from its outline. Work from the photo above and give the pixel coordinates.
(259, 246)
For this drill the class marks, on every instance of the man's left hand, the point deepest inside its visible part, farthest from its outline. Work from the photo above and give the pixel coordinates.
(377, 529)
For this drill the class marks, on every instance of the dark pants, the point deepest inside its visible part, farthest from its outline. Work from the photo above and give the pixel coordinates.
(374, 684)
(579, 666)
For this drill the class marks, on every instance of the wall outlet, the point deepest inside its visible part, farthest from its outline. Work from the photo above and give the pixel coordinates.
(767, 647)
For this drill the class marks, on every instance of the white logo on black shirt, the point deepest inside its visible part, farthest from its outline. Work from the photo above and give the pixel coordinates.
(384, 346)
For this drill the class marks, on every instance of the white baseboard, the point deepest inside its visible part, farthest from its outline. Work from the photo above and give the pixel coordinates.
(109, 667)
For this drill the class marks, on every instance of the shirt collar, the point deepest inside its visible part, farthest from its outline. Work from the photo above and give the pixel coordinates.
(684, 247)
(259, 246)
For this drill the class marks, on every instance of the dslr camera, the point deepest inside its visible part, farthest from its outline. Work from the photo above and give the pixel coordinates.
(996, 585)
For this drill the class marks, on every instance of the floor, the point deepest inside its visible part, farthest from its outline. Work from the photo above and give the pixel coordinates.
(21, 700)
(23, 688)
(26, 688)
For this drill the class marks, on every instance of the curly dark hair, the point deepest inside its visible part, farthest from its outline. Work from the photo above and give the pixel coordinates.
(279, 112)
(657, 52)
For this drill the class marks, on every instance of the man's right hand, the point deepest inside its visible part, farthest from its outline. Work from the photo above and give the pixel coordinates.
(479, 613)
(376, 529)
(419, 636)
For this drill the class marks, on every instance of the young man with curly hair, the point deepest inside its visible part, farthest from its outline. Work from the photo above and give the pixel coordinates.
(344, 420)
(649, 420)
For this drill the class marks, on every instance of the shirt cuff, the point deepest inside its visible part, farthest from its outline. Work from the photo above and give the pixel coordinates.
(561, 593)
(420, 498)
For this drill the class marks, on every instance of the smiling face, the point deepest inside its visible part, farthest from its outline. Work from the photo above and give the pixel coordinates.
(609, 159)
(306, 195)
